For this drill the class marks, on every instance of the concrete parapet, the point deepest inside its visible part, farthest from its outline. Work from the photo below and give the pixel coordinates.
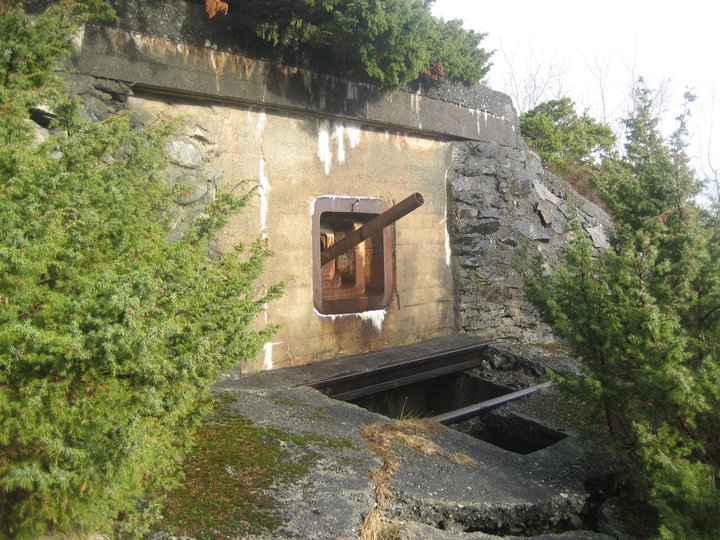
(170, 47)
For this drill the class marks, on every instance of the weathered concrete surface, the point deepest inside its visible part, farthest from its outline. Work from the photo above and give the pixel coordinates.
(541, 494)
(298, 135)
(171, 47)
(332, 500)
(293, 160)
(419, 531)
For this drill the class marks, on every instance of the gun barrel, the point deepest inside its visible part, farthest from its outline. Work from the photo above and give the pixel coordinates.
(372, 227)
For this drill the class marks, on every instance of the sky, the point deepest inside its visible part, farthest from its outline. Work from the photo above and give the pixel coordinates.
(592, 51)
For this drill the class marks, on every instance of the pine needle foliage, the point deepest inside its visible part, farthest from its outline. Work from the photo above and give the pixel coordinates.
(110, 336)
(562, 137)
(645, 318)
(394, 41)
(570, 144)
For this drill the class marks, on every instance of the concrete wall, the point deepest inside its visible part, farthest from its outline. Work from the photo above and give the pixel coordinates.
(294, 159)
(299, 135)
(170, 46)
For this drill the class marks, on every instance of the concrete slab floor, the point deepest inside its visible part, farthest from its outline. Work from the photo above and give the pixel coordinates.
(541, 494)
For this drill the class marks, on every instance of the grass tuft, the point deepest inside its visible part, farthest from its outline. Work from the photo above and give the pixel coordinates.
(377, 526)
(383, 438)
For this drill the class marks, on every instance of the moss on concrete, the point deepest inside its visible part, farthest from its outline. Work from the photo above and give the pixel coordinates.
(230, 477)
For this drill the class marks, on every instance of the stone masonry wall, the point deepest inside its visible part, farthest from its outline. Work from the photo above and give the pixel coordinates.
(500, 197)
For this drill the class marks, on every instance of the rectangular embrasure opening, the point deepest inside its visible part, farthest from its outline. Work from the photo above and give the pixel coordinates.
(359, 279)
(511, 432)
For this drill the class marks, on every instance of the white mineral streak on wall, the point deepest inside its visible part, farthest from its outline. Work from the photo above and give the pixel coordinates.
(475, 113)
(415, 100)
(341, 198)
(448, 251)
(376, 317)
(331, 317)
(335, 133)
(307, 82)
(339, 138)
(353, 135)
(267, 350)
(351, 94)
(212, 59)
(323, 148)
(264, 190)
(444, 221)
(417, 143)
(260, 128)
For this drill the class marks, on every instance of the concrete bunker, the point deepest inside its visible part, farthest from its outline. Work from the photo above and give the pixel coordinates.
(301, 136)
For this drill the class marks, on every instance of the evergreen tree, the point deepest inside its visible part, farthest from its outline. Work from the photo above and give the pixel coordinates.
(569, 144)
(395, 41)
(562, 137)
(645, 318)
(110, 336)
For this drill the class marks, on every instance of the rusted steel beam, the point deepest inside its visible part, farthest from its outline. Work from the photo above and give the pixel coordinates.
(372, 227)
(358, 384)
(476, 408)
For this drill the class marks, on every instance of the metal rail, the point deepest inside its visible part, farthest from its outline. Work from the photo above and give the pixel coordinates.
(358, 384)
(476, 408)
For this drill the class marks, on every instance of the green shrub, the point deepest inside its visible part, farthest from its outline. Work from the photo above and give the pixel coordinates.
(110, 336)
(645, 318)
(562, 137)
(395, 41)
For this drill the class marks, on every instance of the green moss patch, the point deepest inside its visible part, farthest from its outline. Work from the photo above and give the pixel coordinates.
(230, 477)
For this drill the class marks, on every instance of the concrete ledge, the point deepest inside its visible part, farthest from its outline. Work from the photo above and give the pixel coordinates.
(502, 492)
(149, 53)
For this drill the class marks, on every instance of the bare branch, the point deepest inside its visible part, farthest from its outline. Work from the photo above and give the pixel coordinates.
(537, 81)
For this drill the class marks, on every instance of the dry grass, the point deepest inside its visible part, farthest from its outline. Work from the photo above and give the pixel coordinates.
(580, 178)
(377, 526)
(382, 440)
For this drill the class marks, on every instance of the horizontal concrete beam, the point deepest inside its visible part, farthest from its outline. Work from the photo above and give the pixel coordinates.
(174, 64)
